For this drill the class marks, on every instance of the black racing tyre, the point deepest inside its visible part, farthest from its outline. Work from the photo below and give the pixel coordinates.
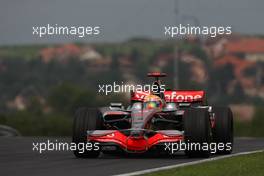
(86, 119)
(223, 132)
(197, 132)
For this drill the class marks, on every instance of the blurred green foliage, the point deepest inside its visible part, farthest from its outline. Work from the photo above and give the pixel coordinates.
(252, 128)
(65, 98)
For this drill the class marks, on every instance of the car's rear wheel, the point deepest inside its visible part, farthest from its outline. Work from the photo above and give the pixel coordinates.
(223, 129)
(86, 119)
(197, 132)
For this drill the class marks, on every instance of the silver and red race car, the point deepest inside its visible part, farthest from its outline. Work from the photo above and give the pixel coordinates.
(154, 120)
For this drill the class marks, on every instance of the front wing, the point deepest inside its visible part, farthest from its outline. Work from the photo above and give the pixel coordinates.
(134, 144)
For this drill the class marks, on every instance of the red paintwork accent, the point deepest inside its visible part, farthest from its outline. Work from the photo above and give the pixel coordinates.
(139, 96)
(134, 144)
(212, 123)
(157, 74)
(183, 96)
(115, 113)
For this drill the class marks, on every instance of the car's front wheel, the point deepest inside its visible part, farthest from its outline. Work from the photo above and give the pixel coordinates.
(223, 129)
(86, 119)
(197, 132)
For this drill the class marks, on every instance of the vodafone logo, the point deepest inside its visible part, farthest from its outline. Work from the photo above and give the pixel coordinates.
(140, 95)
(175, 96)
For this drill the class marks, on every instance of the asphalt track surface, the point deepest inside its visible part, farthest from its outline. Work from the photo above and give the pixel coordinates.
(17, 158)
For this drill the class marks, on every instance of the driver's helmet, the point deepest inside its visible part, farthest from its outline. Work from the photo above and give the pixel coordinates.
(152, 101)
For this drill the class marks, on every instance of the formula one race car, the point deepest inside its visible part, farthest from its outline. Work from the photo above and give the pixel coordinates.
(153, 120)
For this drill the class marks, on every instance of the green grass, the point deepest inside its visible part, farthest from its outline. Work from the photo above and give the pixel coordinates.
(27, 52)
(30, 124)
(246, 165)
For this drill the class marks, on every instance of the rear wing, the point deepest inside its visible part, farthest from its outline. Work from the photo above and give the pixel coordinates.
(176, 96)
(179, 96)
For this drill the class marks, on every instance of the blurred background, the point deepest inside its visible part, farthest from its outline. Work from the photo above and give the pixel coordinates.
(43, 80)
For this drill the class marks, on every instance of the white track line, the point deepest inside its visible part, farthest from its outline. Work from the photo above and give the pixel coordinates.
(187, 164)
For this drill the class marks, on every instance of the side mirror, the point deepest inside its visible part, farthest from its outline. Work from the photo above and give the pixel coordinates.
(116, 106)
